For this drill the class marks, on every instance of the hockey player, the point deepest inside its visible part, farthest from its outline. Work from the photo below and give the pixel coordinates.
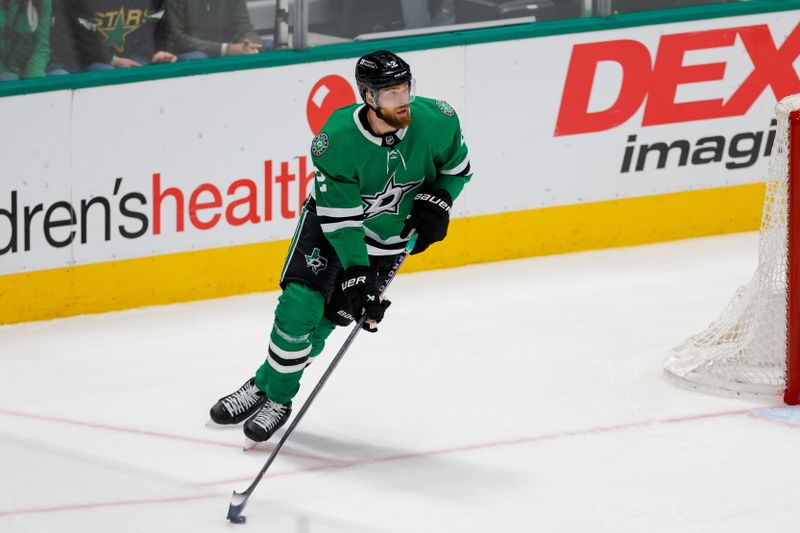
(384, 167)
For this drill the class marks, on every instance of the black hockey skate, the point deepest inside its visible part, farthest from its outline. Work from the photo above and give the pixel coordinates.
(239, 405)
(265, 422)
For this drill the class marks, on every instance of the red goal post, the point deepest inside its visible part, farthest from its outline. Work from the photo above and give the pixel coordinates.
(792, 393)
(753, 348)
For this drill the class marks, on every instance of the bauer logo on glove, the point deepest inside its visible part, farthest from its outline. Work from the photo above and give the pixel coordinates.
(425, 197)
(430, 216)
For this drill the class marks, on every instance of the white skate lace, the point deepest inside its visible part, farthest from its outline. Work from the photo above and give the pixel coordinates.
(241, 400)
(269, 415)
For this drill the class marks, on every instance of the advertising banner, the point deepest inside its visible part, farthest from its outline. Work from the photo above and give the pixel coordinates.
(176, 165)
(604, 121)
(627, 113)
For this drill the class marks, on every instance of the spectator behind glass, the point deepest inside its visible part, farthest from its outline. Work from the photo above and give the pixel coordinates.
(24, 38)
(427, 13)
(96, 35)
(206, 28)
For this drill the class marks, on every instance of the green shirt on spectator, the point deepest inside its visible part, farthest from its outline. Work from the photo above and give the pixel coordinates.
(25, 37)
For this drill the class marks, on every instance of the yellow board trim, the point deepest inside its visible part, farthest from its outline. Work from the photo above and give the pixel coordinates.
(221, 272)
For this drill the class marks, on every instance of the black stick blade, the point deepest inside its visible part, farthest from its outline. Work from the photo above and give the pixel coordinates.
(238, 501)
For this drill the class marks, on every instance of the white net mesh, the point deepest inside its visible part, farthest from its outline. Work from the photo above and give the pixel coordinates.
(744, 351)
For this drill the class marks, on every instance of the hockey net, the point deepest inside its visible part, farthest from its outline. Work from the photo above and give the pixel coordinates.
(745, 351)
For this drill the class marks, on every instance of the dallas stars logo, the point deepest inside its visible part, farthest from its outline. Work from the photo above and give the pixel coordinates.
(115, 26)
(388, 200)
(320, 144)
(315, 261)
(445, 108)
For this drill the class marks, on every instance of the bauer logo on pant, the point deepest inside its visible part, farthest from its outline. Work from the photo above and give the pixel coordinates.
(316, 262)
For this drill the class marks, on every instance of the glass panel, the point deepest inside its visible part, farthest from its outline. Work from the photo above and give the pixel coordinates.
(41, 37)
(355, 18)
(539, 10)
(56, 37)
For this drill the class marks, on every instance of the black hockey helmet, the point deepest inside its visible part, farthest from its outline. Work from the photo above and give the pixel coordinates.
(381, 69)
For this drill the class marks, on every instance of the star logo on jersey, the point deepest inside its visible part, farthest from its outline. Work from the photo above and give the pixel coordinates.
(316, 262)
(389, 199)
(115, 26)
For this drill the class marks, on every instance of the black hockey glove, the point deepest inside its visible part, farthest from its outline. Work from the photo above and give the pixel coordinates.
(360, 287)
(430, 216)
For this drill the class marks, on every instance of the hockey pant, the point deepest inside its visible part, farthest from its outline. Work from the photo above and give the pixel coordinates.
(309, 309)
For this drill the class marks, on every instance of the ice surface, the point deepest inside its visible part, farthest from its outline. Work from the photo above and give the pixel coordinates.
(517, 396)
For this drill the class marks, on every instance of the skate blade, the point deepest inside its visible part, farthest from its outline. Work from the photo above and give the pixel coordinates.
(249, 444)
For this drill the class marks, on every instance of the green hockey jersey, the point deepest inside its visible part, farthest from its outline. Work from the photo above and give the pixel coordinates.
(365, 184)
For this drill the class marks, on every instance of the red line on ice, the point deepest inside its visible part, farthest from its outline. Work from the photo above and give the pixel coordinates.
(488, 445)
(154, 434)
(348, 464)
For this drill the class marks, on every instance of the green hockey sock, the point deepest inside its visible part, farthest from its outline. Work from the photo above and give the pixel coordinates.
(298, 333)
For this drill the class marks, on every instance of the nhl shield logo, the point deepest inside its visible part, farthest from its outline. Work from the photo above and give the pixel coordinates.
(316, 262)
(445, 108)
(320, 144)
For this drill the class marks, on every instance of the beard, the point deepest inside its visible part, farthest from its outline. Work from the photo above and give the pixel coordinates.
(390, 116)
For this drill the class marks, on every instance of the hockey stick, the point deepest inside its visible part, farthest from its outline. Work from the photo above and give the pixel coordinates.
(239, 499)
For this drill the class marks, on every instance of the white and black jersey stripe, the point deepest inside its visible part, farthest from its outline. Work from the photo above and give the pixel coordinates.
(378, 246)
(335, 218)
(462, 169)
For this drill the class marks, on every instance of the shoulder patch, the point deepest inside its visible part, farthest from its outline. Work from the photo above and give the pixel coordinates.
(445, 108)
(320, 144)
